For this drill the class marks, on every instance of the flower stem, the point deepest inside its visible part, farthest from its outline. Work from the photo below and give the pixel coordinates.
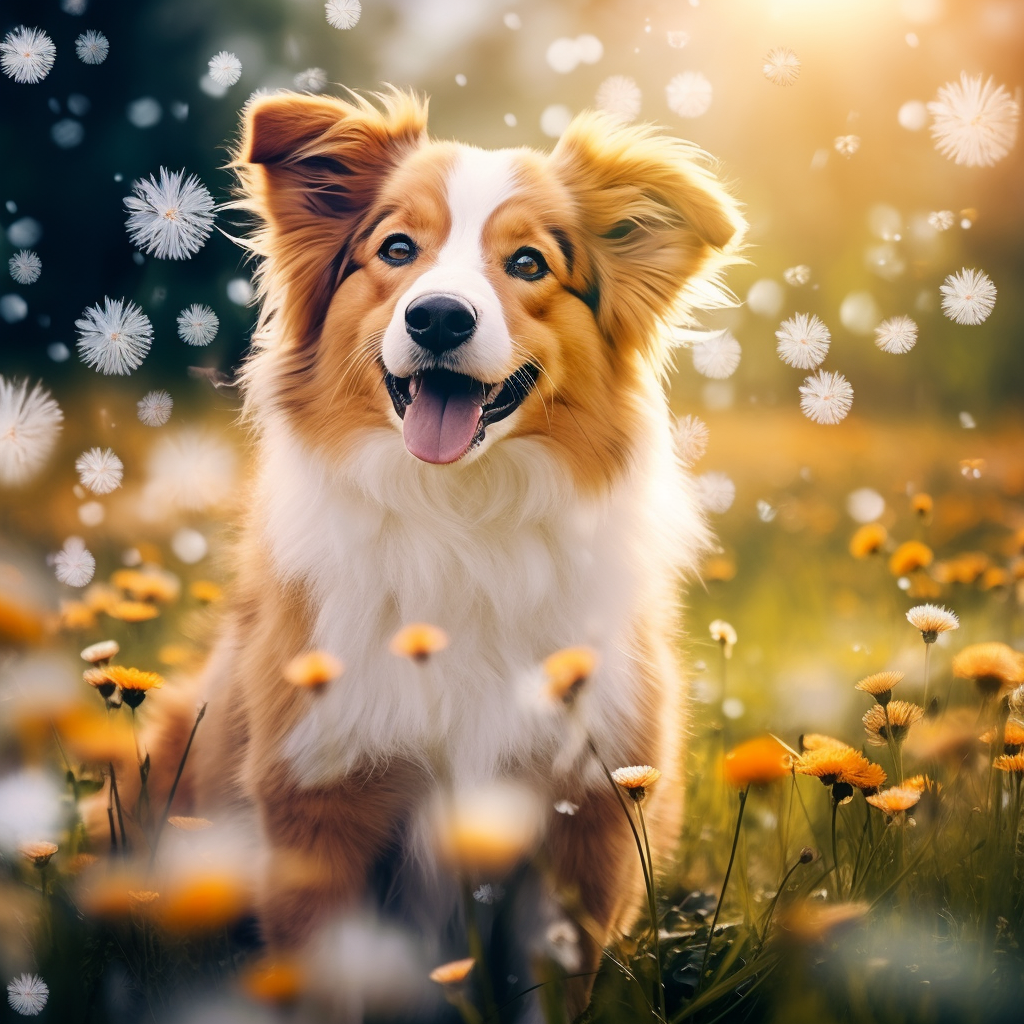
(476, 951)
(775, 899)
(652, 901)
(927, 660)
(117, 804)
(835, 853)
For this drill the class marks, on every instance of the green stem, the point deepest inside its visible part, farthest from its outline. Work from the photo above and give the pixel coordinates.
(652, 900)
(835, 854)
(476, 951)
(927, 661)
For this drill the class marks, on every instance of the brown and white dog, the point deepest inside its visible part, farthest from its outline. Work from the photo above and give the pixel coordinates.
(459, 419)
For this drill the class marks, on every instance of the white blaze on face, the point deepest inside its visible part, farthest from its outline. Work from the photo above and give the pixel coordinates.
(478, 183)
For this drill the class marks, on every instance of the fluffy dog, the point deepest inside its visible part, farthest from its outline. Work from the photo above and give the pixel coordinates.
(459, 419)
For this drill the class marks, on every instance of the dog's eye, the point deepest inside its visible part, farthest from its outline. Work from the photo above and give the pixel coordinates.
(397, 249)
(527, 264)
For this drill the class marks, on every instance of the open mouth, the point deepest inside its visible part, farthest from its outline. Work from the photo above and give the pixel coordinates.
(444, 414)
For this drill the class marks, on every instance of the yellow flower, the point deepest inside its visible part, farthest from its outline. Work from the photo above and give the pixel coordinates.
(636, 779)
(895, 800)
(187, 824)
(890, 721)
(965, 568)
(756, 762)
(76, 615)
(868, 540)
(98, 654)
(880, 685)
(932, 620)
(453, 973)
(991, 665)
(1010, 763)
(922, 505)
(418, 641)
(100, 679)
(840, 764)
(567, 670)
(94, 737)
(313, 670)
(994, 577)
(910, 555)
(719, 568)
(817, 741)
(922, 587)
(1013, 737)
(134, 683)
(133, 611)
(151, 584)
(38, 853)
(206, 591)
(173, 655)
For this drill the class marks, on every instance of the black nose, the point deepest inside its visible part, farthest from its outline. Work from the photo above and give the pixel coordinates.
(440, 322)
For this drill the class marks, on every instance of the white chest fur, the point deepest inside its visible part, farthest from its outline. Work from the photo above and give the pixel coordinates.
(502, 554)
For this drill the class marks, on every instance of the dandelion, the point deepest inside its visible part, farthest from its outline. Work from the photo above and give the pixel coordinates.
(896, 335)
(827, 397)
(202, 903)
(29, 424)
(567, 671)
(840, 764)
(205, 591)
(39, 853)
(819, 741)
(197, 325)
(895, 800)
(343, 13)
(691, 439)
(453, 973)
(100, 653)
(418, 641)
(313, 670)
(149, 584)
(868, 540)
(311, 80)
(1013, 737)
(757, 762)
(620, 96)
(932, 620)
(134, 683)
(100, 470)
(968, 297)
(92, 47)
(803, 341)
(941, 220)
(993, 666)
(718, 356)
(891, 721)
(724, 635)
(797, 276)
(27, 994)
(880, 685)
(847, 145)
(225, 68)
(781, 66)
(74, 563)
(27, 55)
(114, 339)
(974, 123)
(155, 408)
(133, 611)
(102, 683)
(689, 94)
(1010, 763)
(922, 504)
(636, 780)
(25, 267)
(172, 218)
(715, 492)
(909, 556)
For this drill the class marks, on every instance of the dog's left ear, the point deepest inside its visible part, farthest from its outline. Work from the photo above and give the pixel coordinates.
(658, 227)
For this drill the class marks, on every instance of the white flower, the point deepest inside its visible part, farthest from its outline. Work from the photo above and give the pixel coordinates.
(114, 339)
(689, 94)
(781, 66)
(74, 563)
(803, 341)
(691, 438)
(155, 408)
(225, 68)
(797, 276)
(715, 492)
(931, 620)
(974, 123)
(343, 13)
(29, 425)
(197, 325)
(968, 297)
(100, 470)
(827, 397)
(941, 220)
(27, 994)
(717, 356)
(897, 335)
(723, 633)
(620, 96)
(311, 80)
(25, 267)
(172, 218)
(27, 54)
(92, 47)
(190, 470)
(847, 145)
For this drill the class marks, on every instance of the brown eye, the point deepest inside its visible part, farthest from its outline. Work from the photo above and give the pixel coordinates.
(527, 264)
(397, 249)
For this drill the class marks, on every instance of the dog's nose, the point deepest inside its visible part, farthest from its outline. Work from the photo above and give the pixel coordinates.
(439, 322)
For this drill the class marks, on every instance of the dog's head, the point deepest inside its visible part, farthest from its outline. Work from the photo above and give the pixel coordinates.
(463, 296)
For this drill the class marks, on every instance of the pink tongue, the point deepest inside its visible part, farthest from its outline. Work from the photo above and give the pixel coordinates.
(439, 427)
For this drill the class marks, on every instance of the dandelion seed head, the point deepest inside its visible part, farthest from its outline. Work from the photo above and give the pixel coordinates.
(723, 633)
(781, 66)
(896, 335)
(197, 325)
(74, 564)
(92, 47)
(189, 470)
(225, 68)
(115, 338)
(826, 397)
(847, 145)
(797, 276)
(27, 55)
(100, 470)
(941, 220)
(27, 994)
(25, 267)
(803, 341)
(974, 122)
(691, 439)
(689, 94)
(715, 492)
(311, 80)
(155, 408)
(29, 424)
(343, 13)
(171, 218)
(717, 356)
(968, 297)
(620, 96)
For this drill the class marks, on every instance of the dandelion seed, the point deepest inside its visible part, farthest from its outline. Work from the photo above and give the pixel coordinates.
(114, 339)
(847, 145)
(100, 470)
(715, 492)
(566, 807)
(941, 220)
(29, 424)
(868, 540)
(343, 13)
(827, 397)
(803, 341)
(620, 96)
(691, 439)
(155, 408)
(781, 66)
(968, 297)
(932, 620)
(311, 80)
(27, 994)
(25, 267)
(27, 55)
(225, 68)
(724, 635)
(717, 356)
(892, 720)
(197, 325)
(92, 47)
(896, 335)
(797, 276)
(488, 894)
(172, 218)
(74, 563)
(975, 123)
(689, 94)
(636, 779)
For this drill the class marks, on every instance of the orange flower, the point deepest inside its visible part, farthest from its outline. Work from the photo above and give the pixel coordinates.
(922, 505)
(134, 683)
(1013, 737)
(133, 611)
(21, 623)
(817, 741)
(910, 555)
(418, 641)
(313, 670)
(567, 670)
(274, 981)
(994, 577)
(756, 762)
(76, 615)
(890, 721)
(202, 903)
(880, 685)
(206, 591)
(840, 764)
(895, 800)
(94, 737)
(1010, 763)
(39, 853)
(719, 568)
(812, 922)
(453, 973)
(636, 779)
(868, 540)
(991, 665)
(149, 584)
(98, 678)
(932, 620)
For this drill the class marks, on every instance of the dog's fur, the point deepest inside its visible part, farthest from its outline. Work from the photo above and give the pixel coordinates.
(569, 524)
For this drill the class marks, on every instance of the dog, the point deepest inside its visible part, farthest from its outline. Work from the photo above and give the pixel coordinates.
(459, 419)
